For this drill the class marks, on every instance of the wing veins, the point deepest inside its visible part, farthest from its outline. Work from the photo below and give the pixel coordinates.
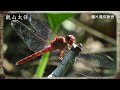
(33, 32)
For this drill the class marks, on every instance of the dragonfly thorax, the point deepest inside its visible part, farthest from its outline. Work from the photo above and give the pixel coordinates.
(59, 43)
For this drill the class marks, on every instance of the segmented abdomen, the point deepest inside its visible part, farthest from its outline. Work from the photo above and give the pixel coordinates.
(31, 57)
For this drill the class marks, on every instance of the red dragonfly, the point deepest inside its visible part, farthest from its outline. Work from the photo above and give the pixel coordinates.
(41, 39)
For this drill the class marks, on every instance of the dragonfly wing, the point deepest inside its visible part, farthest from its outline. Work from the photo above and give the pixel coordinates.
(29, 36)
(99, 60)
(83, 69)
(95, 64)
(41, 27)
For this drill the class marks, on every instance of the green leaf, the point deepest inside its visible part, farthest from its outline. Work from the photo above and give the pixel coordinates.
(42, 65)
(55, 20)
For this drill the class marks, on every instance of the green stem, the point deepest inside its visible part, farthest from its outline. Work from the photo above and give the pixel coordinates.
(42, 65)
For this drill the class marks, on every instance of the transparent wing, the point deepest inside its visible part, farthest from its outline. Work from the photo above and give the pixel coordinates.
(41, 27)
(89, 63)
(34, 41)
(37, 38)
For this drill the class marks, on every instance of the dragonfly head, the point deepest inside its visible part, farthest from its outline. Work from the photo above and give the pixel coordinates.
(70, 39)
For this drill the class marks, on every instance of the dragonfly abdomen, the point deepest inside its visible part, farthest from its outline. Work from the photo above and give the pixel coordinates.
(31, 57)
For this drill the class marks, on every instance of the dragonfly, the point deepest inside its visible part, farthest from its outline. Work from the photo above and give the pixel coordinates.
(41, 39)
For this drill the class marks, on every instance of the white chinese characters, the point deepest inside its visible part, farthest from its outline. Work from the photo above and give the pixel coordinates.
(102, 16)
(16, 17)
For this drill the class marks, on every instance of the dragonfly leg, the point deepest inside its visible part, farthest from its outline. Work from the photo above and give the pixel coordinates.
(61, 54)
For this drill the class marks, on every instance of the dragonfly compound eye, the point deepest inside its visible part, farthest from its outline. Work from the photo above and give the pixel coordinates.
(70, 39)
